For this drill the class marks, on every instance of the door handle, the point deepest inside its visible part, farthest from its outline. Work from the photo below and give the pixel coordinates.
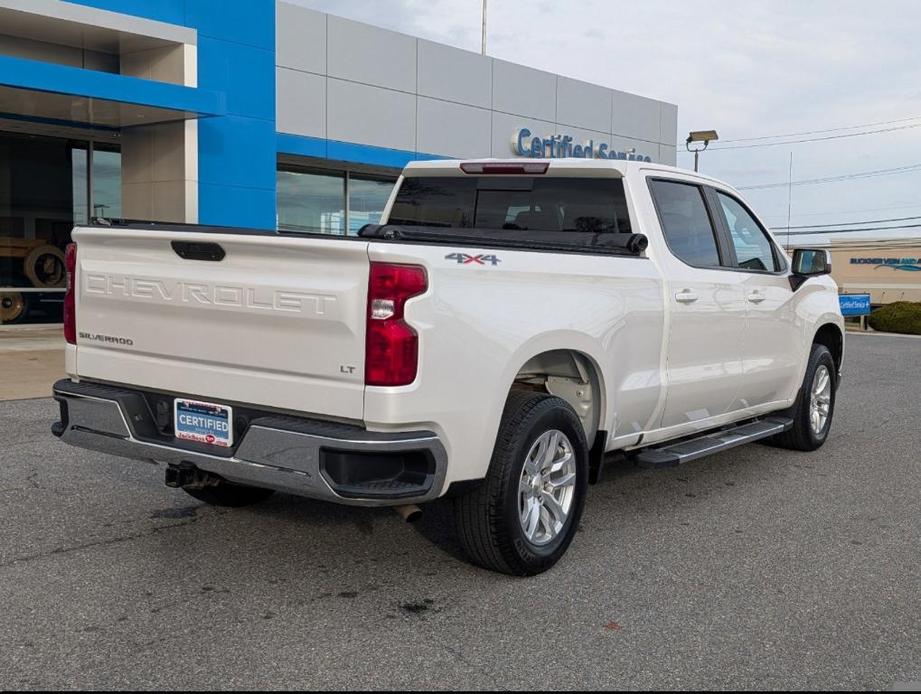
(685, 296)
(756, 297)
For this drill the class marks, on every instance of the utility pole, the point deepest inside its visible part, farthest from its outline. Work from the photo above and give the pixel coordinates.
(483, 44)
(789, 199)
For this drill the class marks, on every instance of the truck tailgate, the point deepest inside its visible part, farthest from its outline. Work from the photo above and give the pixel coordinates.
(278, 322)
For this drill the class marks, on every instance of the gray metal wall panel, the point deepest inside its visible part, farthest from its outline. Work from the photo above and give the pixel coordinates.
(643, 148)
(636, 116)
(392, 90)
(300, 38)
(455, 75)
(668, 124)
(583, 105)
(300, 99)
(453, 129)
(523, 91)
(505, 127)
(581, 136)
(367, 54)
(370, 115)
(668, 154)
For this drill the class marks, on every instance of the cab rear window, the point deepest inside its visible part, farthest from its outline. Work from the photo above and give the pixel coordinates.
(513, 203)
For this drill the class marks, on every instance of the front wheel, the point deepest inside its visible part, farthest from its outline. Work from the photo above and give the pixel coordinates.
(524, 515)
(812, 413)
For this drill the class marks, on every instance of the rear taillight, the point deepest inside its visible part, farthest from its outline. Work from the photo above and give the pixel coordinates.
(391, 345)
(70, 304)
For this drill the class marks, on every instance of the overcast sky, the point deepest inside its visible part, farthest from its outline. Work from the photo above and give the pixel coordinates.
(745, 68)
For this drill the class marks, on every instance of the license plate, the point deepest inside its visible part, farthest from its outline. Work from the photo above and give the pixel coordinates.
(205, 422)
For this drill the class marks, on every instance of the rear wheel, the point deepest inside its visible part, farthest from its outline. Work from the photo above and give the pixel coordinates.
(524, 515)
(224, 493)
(815, 405)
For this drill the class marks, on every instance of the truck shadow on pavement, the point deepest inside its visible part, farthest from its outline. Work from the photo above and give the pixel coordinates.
(624, 491)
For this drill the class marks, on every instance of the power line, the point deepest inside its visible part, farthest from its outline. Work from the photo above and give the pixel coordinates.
(819, 132)
(851, 231)
(835, 179)
(863, 209)
(848, 224)
(820, 139)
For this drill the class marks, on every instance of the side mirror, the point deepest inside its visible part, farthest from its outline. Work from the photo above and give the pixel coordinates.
(809, 262)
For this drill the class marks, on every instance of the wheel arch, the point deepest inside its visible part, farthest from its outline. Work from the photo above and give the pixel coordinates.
(831, 336)
(571, 374)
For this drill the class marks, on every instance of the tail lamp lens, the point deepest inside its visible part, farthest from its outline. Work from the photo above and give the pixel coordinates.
(70, 303)
(392, 346)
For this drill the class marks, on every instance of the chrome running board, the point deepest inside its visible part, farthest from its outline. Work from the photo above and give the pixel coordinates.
(673, 454)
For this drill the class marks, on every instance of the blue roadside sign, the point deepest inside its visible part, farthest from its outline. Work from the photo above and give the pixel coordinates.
(854, 304)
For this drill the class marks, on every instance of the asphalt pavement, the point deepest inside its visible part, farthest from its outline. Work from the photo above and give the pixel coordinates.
(755, 568)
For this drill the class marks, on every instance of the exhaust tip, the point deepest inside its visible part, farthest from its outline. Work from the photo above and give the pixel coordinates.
(410, 512)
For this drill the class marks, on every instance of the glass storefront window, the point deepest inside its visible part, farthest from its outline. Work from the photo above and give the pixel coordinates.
(44, 191)
(107, 182)
(367, 200)
(78, 160)
(311, 202)
(315, 201)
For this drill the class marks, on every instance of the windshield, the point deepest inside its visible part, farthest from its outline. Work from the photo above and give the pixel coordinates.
(513, 203)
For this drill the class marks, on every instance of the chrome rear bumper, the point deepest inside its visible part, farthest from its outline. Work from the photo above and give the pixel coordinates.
(310, 458)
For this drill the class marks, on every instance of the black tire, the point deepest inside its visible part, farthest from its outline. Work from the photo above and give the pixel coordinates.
(227, 494)
(487, 517)
(802, 437)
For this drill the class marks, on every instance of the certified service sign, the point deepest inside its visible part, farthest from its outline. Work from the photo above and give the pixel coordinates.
(854, 304)
(526, 144)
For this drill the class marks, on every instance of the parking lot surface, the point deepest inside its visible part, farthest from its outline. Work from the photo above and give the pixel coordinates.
(756, 568)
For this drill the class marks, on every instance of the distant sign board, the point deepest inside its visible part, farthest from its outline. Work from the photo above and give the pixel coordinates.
(906, 264)
(854, 304)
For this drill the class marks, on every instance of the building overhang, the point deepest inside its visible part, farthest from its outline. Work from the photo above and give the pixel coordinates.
(88, 28)
(48, 92)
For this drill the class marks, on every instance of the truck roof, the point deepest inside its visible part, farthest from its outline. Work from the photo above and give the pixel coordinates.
(566, 166)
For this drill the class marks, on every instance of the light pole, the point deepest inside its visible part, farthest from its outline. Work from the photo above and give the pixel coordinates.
(696, 136)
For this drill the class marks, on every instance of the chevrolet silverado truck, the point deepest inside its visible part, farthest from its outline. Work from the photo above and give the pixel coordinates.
(505, 328)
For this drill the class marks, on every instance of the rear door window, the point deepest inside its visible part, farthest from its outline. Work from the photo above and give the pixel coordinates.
(686, 223)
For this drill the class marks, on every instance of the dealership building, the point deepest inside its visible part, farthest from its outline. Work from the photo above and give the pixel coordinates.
(254, 113)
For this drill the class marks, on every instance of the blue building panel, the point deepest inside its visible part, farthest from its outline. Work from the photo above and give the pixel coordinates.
(303, 146)
(236, 57)
(232, 151)
(22, 73)
(237, 206)
(246, 22)
(223, 66)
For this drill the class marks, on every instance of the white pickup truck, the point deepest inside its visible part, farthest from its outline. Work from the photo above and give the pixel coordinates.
(505, 327)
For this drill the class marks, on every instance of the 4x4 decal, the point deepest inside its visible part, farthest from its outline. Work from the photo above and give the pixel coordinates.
(467, 259)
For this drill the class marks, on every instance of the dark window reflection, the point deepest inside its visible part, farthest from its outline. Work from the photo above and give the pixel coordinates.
(43, 193)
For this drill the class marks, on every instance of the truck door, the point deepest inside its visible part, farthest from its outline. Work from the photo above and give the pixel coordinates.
(772, 342)
(706, 306)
